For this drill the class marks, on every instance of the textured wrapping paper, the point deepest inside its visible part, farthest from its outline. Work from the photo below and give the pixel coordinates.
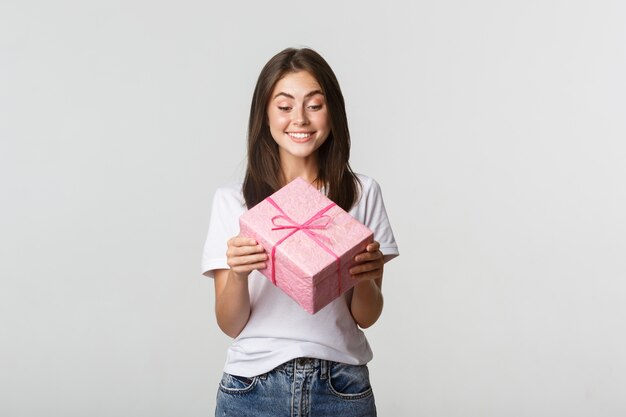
(310, 242)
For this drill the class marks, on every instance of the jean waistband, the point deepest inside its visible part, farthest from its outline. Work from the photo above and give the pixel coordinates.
(305, 364)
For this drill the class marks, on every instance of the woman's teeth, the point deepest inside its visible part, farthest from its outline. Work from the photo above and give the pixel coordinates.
(299, 135)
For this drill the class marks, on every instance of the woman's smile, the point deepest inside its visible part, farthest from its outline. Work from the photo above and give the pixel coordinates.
(300, 137)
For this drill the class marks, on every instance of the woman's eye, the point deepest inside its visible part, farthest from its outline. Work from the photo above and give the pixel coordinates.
(315, 106)
(284, 108)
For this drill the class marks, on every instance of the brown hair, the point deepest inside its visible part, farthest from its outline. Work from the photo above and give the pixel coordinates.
(263, 173)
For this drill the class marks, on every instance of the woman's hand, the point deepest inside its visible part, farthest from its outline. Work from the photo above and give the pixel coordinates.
(232, 300)
(369, 264)
(244, 255)
(367, 298)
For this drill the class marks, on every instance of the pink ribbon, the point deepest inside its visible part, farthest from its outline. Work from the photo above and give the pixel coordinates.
(318, 221)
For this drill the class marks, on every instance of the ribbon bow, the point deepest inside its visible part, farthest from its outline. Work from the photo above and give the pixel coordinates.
(316, 222)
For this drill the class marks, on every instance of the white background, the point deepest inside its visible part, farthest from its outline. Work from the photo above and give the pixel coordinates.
(496, 130)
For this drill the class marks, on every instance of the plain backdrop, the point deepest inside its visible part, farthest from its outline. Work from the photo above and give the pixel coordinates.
(495, 128)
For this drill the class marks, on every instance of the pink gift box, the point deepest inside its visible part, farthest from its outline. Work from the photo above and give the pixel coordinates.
(310, 241)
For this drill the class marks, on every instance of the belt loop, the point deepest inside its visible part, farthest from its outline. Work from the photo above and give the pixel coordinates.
(324, 365)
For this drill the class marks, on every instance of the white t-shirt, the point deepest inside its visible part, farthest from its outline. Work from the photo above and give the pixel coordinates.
(278, 329)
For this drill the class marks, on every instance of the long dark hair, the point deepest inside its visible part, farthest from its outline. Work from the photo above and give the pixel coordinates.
(263, 173)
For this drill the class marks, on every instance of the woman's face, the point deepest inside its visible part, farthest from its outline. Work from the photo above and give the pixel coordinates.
(297, 115)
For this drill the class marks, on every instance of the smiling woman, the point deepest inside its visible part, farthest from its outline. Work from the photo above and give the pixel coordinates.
(298, 128)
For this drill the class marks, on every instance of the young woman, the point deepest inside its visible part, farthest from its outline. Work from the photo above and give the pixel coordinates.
(284, 361)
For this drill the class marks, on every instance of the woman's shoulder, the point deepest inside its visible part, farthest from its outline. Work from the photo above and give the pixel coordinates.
(367, 183)
(230, 194)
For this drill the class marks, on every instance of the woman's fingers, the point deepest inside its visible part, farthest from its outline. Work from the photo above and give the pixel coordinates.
(373, 247)
(369, 264)
(372, 252)
(240, 246)
(244, 250)
(246, 269)
(376, 274)
(244, 255)
(241, 241)
(234, 261)
(367, 267)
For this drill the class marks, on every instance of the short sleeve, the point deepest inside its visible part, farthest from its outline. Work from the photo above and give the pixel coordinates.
(223, 225)
(372, 209)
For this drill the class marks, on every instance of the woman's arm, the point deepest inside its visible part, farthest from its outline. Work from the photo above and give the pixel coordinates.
(367, 298)
(232, 299)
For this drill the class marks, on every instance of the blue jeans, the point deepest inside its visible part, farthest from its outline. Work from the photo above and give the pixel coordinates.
(303, 387)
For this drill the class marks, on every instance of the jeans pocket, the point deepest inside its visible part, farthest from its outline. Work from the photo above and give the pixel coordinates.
(233, 384)
(351, 382)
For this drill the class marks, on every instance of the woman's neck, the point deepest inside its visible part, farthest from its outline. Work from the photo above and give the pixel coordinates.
(305, 168)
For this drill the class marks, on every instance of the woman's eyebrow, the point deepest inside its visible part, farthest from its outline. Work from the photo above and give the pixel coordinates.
(312, 93)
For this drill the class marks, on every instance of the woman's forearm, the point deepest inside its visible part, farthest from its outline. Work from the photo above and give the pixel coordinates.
(367, 302)
(232, 302)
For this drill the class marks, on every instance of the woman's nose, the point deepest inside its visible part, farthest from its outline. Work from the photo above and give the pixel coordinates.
(300, 117)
